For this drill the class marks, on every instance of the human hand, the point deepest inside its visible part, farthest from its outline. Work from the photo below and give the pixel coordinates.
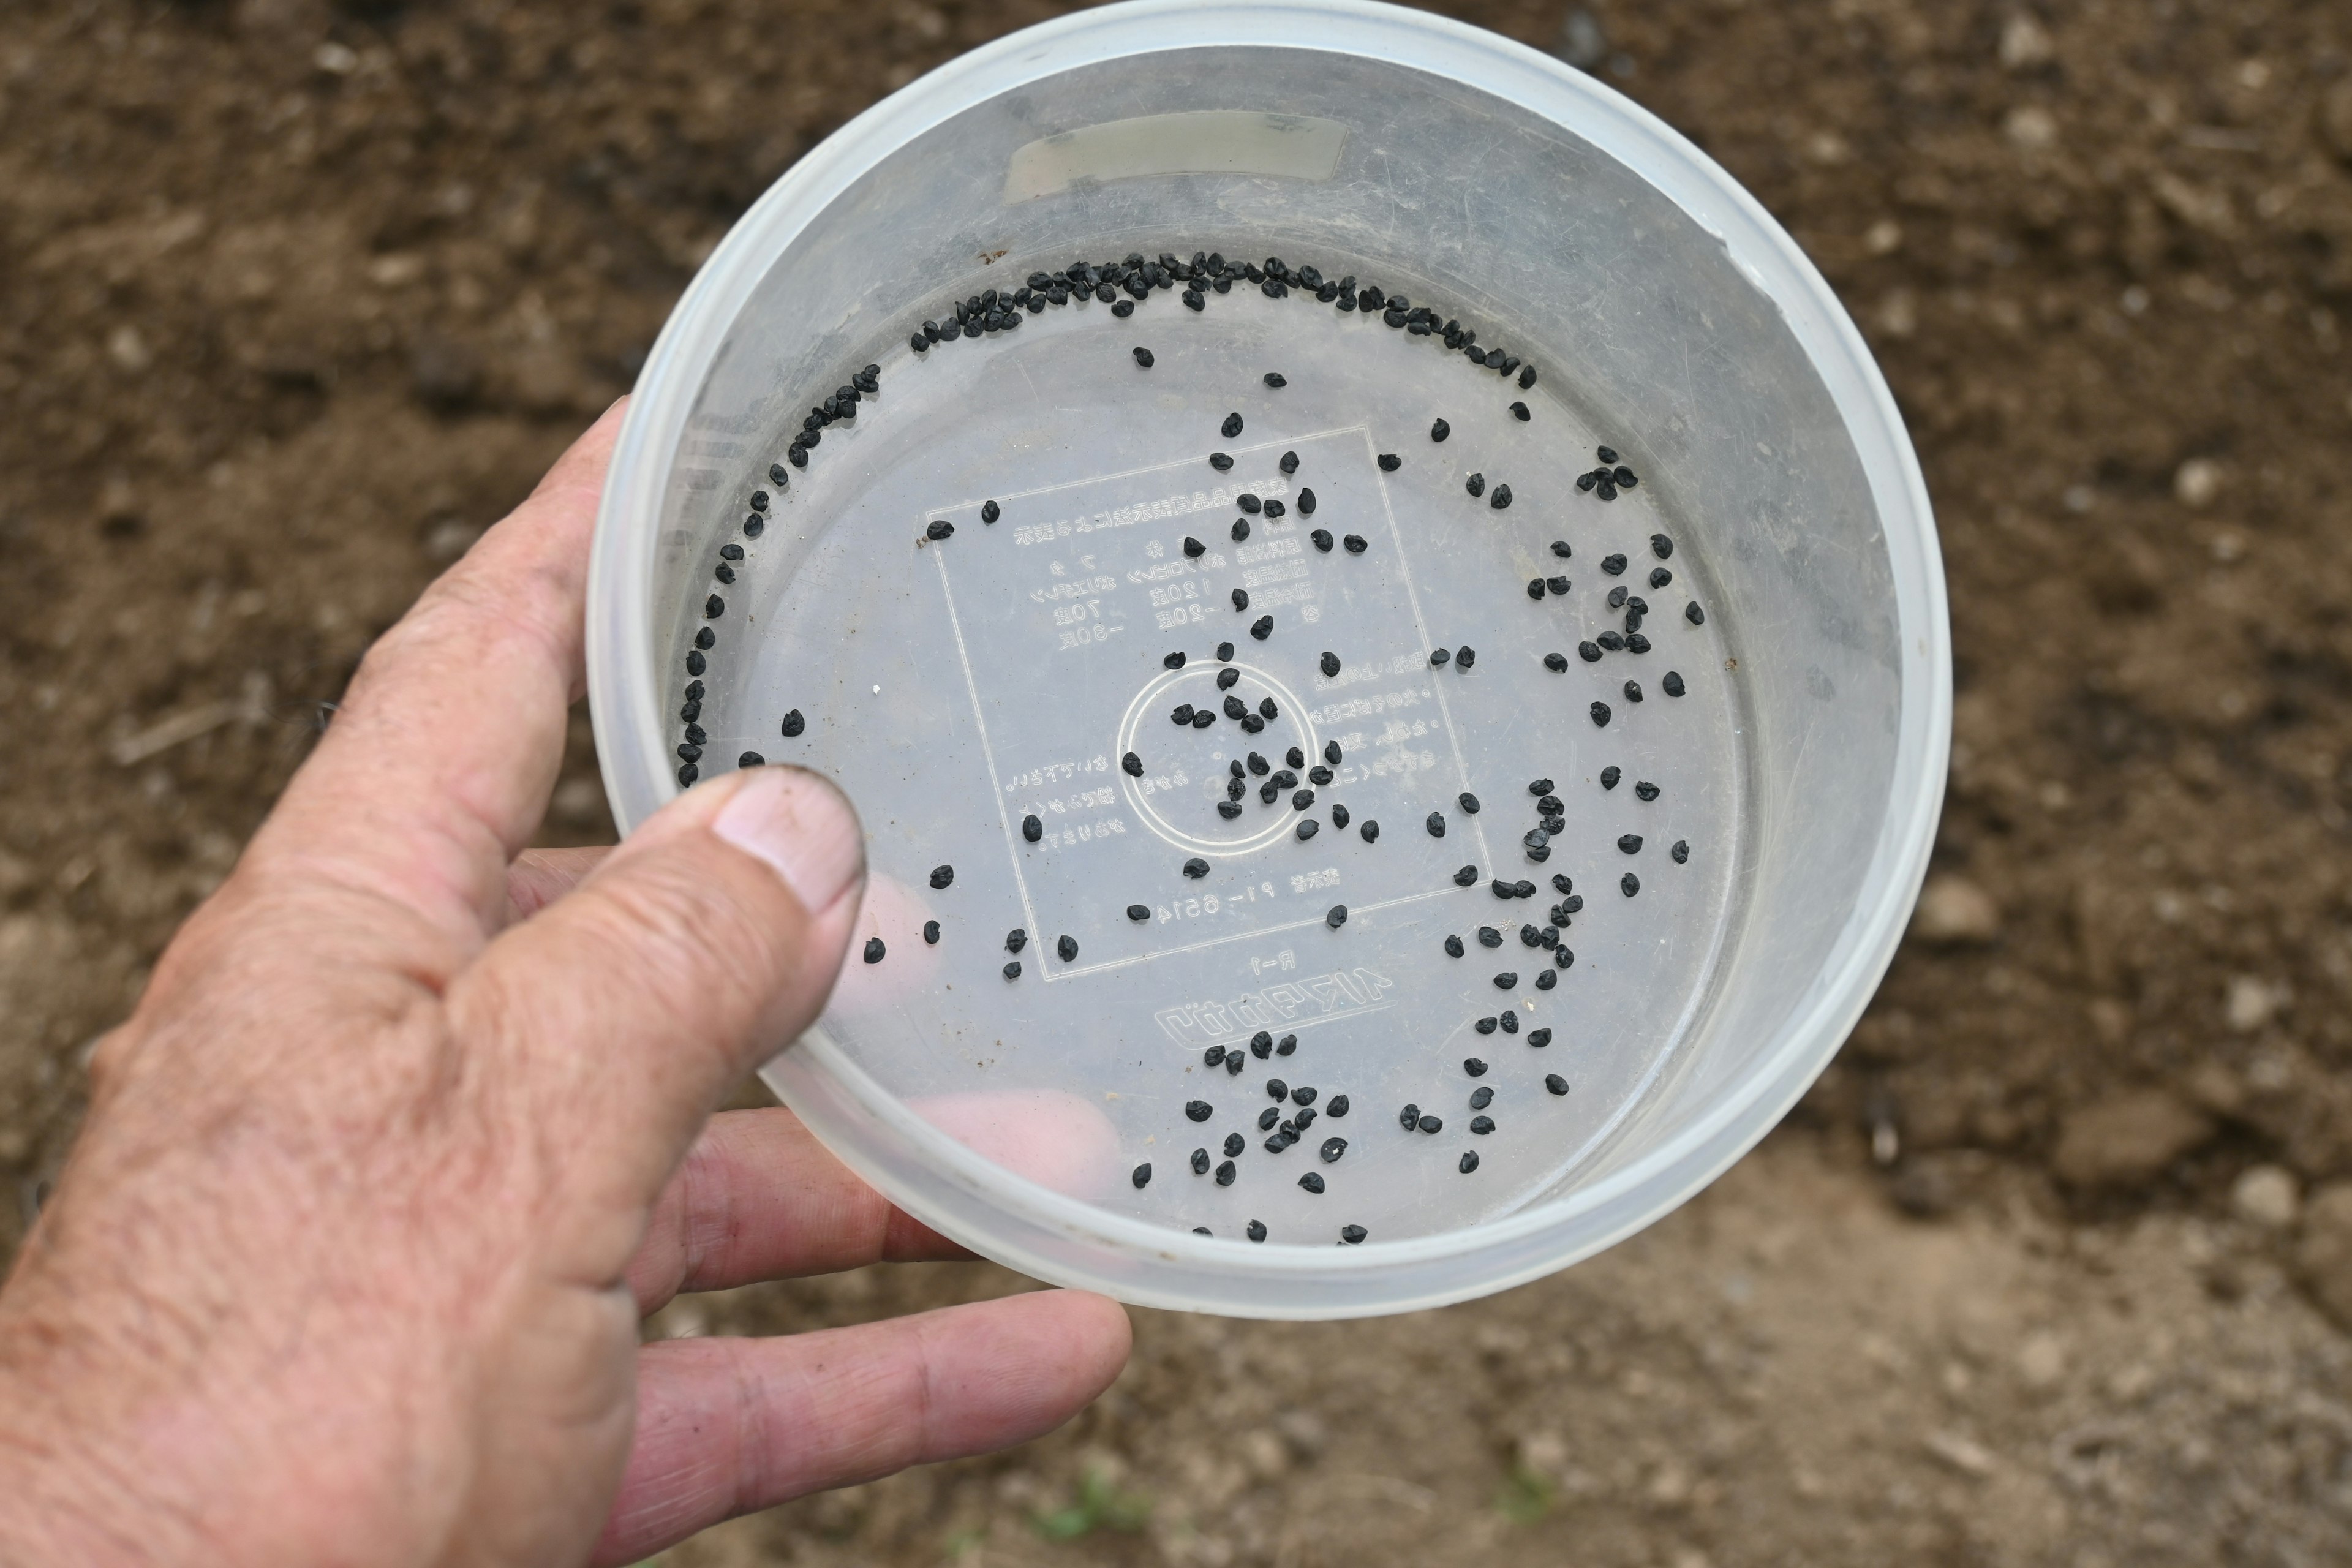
(410, 1129)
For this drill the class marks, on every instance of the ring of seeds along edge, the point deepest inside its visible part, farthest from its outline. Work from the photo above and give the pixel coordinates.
(996, 311)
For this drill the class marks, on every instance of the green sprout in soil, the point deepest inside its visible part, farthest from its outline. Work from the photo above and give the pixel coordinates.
(1099, 1506)
(1526, 1497)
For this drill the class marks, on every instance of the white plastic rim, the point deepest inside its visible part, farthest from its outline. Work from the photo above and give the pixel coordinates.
(1068, 1242)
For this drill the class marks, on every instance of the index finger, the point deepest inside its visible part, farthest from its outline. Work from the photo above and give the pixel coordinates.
(440, 759)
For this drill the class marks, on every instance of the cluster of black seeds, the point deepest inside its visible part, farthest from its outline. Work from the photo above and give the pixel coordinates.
(1123, 285)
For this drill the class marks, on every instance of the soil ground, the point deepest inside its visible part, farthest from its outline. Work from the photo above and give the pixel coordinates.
(294, 297)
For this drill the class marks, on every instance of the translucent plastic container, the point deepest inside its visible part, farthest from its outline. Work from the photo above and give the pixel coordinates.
(959, 686)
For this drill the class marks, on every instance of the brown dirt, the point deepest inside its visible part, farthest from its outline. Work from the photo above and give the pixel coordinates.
(294, 297)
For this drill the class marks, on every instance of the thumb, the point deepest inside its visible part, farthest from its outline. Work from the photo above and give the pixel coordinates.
(705, 943)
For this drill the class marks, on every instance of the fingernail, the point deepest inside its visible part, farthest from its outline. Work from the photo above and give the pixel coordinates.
(801, 824)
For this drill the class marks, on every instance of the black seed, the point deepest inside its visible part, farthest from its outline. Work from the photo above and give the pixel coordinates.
(1473, 1067)
(1337, 915)
(1625, 476)
(1284, 1045)
(1225, 651)
(724, 573)
(1629, 884)
(1680, 852)
(1435, 823)
(1067, 947)
(1015, 940)
(1558, 584)
(1234, 1142)
(1289, 463)
(1431, 1124)
(1220, 462)
(1302, 800)
(1465, 876)
(1590, 652)
(875, 950)
(1584, 481)
(1232, 426)
(1354, 544)
(1529, 936)
(1645, 790)
(1490, 937)
(1501, 498)
(1481, 1097)
(1439, 430)
(1506, 980)
(1240, 531)
(1636, 642)
(1629, 843)
(1694, 615)
(1535, 587)
(688, 773)
(1520, 411)
(1248, 502)
(1469, 1161)
(1143, 357)
(1322, 538)
(1241, 600)
(1274, 379)
(942, 875)
(1132, 765)
(1673, 684)
(1475, 484)
(1370, 832)
(1261, 627)
(1182, 714)
(695, 663)
(795, 724)
(1258, 764)
(990, 511)
(1012, 970)
(1467, 802)
(1123, 309)
(1606, 489)
(1142, 1174)
(1390, 462)
(1464, 657)
(1199, 1110)
(1482, 1125)
(713, 607)
(1632, 691)
(1339, 818)
(1032, 829)
(1269, 712)
(1527, 378)
(1332, 1149)
(1610, 775)
(1225, 1175)
(1229, 809)
(1256, 1227)
(1555, 1083)
(1274, 509)
(1659, 577)
(1661, 546)
(1213, 1057)
(1615, 566)
(1312, 1182)
(1196, 868)
(1605, 454)
(1194, 548)
(1485, 1025)
(1600, 715)
(932, 933)
(1262, 1045)
(1200, 1162)
(1305, 502)
(1307, 828)
(1616, 599)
